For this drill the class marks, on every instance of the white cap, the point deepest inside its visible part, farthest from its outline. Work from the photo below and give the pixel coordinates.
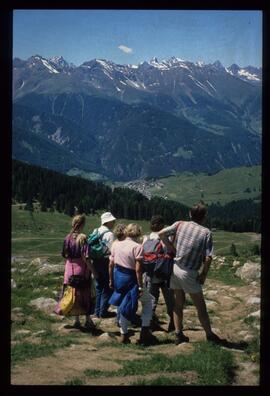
(106, 217)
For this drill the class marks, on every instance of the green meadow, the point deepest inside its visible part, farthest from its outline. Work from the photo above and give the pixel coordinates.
(223, 187)
(38, 234)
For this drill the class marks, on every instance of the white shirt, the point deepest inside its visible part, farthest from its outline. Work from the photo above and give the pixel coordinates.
(108, 237)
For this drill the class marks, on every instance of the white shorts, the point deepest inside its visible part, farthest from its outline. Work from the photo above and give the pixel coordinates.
(185, 279)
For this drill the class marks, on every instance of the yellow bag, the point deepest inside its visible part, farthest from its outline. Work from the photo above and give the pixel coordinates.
(67, 301)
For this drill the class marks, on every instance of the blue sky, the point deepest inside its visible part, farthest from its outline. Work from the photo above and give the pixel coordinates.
(132, 36)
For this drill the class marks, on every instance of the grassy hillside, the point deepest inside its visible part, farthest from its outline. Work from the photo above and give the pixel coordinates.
(41, 234)
(223, 187)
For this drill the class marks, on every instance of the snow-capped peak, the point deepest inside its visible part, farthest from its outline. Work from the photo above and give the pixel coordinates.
(200, 63)
(59, 61)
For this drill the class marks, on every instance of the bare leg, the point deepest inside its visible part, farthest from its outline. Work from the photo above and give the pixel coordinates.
(179, 301)
(199, 302)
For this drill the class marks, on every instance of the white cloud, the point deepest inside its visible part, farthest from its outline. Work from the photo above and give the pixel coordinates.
(125, 49)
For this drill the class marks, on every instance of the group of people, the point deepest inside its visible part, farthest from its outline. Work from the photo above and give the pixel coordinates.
(120, 279)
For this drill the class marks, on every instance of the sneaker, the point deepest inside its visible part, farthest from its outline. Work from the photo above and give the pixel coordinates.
(215, 339)
(180, 338)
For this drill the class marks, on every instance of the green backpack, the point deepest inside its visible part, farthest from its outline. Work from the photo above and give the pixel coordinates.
(98, 247)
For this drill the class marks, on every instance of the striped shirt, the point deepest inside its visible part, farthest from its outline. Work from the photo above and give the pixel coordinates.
(193, 243)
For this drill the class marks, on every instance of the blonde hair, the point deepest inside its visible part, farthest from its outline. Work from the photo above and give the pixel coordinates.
(81, 239)
(119, 231)
(77, 222)
(133, 230)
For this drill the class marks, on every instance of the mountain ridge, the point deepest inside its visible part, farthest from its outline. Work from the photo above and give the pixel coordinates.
(167, 116)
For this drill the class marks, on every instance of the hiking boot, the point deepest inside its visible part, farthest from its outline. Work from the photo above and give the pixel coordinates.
(215, 339)
(77, 325)
(124, 339)
(108, 315)
(171, 326)
(154, 324)
(147, 338)
(180, 338)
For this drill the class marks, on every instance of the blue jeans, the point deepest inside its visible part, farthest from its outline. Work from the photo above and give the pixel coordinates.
(103, 291)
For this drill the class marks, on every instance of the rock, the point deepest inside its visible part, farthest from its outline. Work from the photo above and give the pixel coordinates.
(18, 317)
(13, 284)
(18, 260)
(107, 336)
(256, 314)
(46, 305)
(23, 332)
(211, 293)
(236, 264)
(38, 333)
(39, 262)
(210, 304)
(254, 300)
(92, 349)
(233, 289)
(50, 269)
(249, 271)
(17, 309)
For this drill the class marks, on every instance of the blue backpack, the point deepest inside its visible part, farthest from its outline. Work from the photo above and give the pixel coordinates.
(98, 247)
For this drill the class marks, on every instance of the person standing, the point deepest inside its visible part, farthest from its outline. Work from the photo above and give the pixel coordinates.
(157, 224)
(125, 273)
(193, 256)
(101, 265)
(76, 252)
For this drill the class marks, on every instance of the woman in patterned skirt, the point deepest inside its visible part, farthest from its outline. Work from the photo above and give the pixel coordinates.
(76, 252)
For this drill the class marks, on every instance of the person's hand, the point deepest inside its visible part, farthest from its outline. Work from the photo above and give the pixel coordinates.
(111, 284)
(201, 278)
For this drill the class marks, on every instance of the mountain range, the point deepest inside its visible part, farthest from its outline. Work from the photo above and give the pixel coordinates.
(125, 122)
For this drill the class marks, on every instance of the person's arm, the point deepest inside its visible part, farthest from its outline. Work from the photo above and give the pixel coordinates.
(111, 267)
(207, 260)
(91, 267)
(205, 268)
(164, 236)
(138, 269)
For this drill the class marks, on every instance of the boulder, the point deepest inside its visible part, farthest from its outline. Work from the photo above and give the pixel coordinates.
(46, 305)
(249, 271)
(254, 300)
(107, 337)
(236, 264)
(256, 314)
(211, 293)
(39, 262)
(50, 269)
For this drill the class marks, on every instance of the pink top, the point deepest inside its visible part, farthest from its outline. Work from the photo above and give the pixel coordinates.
(126, 252)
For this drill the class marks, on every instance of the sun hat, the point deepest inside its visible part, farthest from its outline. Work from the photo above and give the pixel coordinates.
(106, 217)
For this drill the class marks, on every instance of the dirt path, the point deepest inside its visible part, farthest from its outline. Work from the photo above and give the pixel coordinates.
(227, 307)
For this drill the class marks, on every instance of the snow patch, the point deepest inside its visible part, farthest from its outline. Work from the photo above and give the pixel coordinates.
(57, 138)
(211, 85)
(248, 75)
(46, 64)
